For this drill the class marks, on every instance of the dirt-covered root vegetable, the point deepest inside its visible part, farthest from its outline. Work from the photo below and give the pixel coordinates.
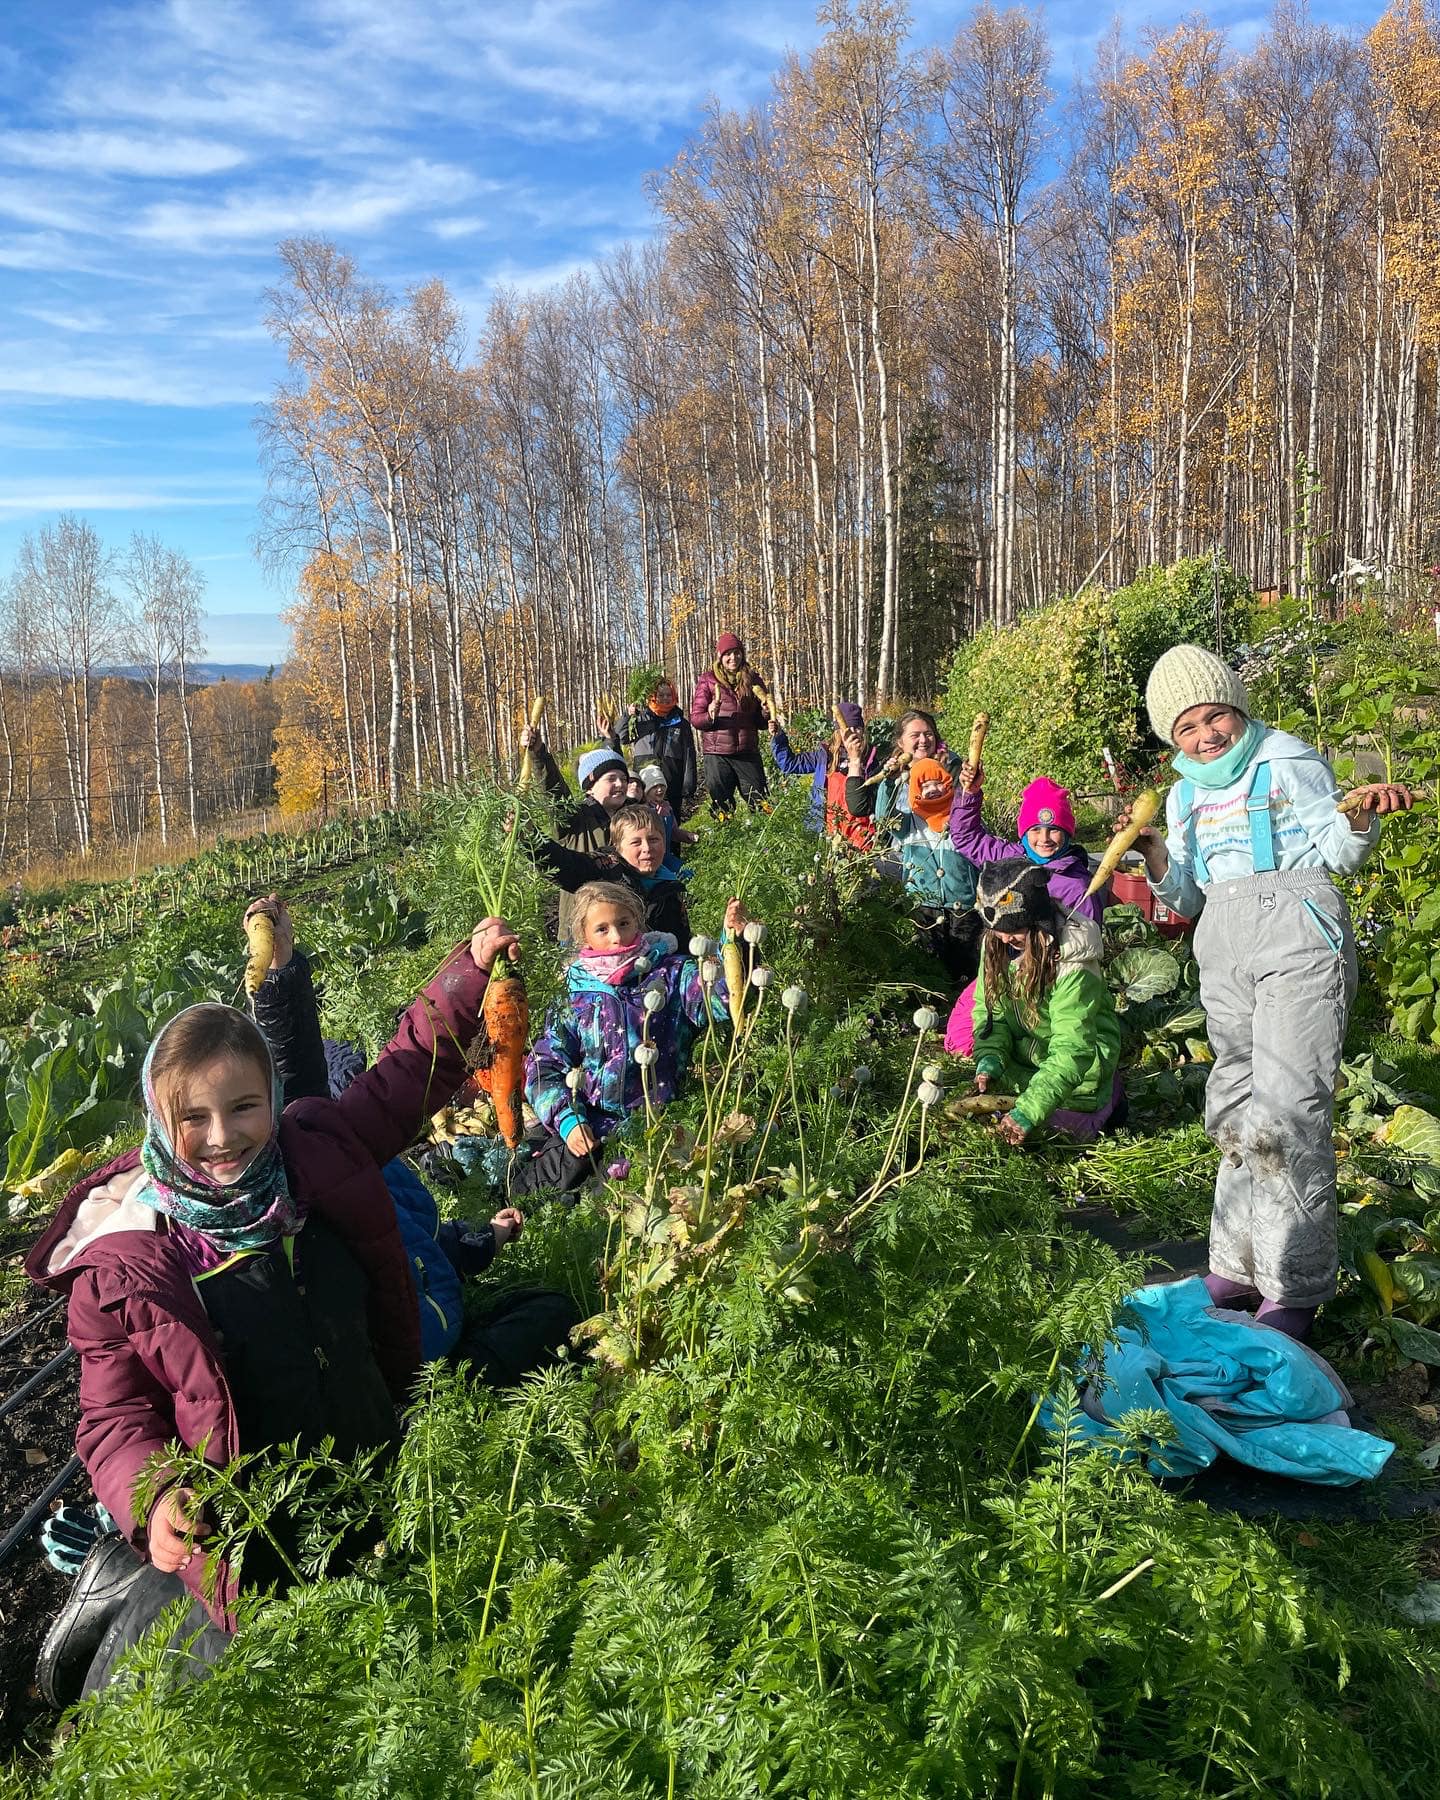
(527, 761)
(897, 765)
(1143, 810)
(977, 739)
(505, 1014)
(979, 1106)
(260, 937)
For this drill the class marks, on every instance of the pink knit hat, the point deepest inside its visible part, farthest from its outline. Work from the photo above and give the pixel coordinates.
(1046, 803)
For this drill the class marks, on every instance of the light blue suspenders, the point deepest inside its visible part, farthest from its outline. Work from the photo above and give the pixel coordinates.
(1262, 845)
(1262, 827)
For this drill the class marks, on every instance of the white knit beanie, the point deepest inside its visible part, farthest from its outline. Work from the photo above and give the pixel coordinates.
(1189, 676)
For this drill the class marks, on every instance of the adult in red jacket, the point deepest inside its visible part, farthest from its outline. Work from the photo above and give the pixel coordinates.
(726, 710)
(300, 1322)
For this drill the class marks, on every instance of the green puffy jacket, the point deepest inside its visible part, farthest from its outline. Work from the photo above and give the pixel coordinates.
(1065, 1060)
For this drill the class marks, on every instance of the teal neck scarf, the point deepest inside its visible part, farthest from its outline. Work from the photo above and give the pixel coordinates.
(1225, 770)
(247, 1213)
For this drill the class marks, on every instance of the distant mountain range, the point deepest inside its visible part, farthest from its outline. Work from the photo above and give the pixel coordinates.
(200, 674)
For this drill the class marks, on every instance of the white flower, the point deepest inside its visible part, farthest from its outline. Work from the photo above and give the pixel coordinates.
(701, 946)
(654, 999)
(761, 976)
(862, 1075)
(754, 932)
(932, 1072)
(645, 1055)
(927, 1093)
(926, 1018)
(794, 999)
(709, 971)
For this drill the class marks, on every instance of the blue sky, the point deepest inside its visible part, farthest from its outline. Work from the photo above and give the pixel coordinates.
(153, 153)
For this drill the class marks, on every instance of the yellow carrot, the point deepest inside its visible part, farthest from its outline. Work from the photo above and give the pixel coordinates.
(260, 937)
(734, 965)
(527, 761)
(1144, 808)
(977, 739)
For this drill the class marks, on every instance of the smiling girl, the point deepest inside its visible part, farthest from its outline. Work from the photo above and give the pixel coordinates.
(239, 1283)
(1253, 834)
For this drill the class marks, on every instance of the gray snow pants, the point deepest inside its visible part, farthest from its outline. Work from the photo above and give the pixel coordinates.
(1277, 975)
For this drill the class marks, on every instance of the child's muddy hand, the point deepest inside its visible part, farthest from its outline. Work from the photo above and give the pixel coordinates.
(1010, 1129)
(508, 1223)
(982, 1084)
(490, 939)
(971, 778)
(1363, 805)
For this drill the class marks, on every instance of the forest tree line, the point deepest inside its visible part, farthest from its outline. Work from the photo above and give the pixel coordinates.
(104, 734)
(912, 349)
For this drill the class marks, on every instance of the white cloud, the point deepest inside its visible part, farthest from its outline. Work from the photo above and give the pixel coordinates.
(331, 207)
(84, 321)
(118, 153)
(19, 499)
(42, 372)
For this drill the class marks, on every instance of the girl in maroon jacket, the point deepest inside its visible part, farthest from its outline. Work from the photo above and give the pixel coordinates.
(239, 1283)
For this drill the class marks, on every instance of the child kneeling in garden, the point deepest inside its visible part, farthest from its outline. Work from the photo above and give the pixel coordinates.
(1045, 1024)
(1046, 824)
(1253, 832)
(634, 1007)
(239, 1283)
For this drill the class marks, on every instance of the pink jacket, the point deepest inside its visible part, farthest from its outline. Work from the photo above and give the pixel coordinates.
(151, 1367)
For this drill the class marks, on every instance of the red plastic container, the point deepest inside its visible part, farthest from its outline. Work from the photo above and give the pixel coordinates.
(1127, 889)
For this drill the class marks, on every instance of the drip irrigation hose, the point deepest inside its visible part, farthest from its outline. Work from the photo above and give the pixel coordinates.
(37, 1509)
(34, 1319)
(37, 1380)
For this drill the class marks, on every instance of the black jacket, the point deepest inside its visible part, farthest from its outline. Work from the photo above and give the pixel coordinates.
(671, 743)
(664, 900)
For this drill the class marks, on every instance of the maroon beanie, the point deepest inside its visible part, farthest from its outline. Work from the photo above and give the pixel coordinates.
(727, 642)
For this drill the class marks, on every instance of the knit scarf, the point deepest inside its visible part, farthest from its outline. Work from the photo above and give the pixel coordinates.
(244, 1214)
(935, 813)
(668, 715)
(741, 682)
(615, 966)
(1225, 770)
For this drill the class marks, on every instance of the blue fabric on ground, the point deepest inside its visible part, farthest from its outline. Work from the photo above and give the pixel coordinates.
(1229, 1385)
(437, 1282)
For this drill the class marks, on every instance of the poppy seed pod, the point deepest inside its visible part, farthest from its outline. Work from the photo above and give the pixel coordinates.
(701, 946)
(862, 1075)
(754, 932)
(645, 1055)
(709, 971)
(927, 1093)
(573, 1078)
(794, 999)
(926, 1018)
(762, 976)
(654, 999)
(932, 1072)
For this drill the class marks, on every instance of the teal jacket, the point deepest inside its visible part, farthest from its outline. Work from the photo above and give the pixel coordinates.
(935, 872)
(1066, 1057)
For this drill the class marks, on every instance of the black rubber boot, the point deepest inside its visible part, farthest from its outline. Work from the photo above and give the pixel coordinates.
(106, 1577)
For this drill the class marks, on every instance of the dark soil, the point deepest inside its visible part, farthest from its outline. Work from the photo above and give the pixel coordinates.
(31, 1593)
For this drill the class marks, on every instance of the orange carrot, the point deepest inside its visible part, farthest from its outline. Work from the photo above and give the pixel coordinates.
(505, 1015)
